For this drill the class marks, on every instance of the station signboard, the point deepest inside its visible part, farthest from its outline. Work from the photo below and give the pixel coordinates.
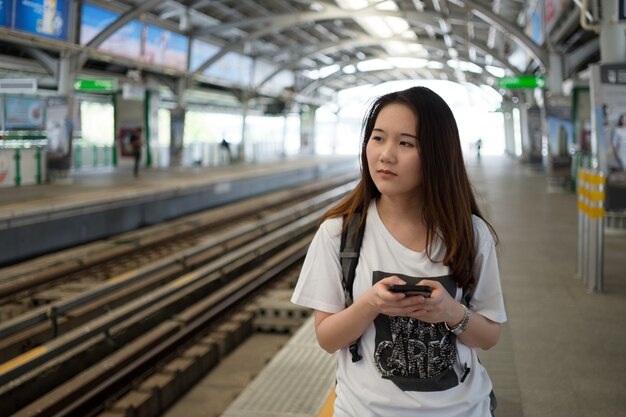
(522, 82)
(621, 11)
(102, 85)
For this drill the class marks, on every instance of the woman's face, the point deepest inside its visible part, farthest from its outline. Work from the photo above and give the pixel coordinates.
(392, 152)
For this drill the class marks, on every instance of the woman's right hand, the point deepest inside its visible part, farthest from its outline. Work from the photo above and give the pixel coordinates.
(392, 304)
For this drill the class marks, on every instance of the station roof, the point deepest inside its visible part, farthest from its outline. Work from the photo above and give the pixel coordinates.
(323, 46)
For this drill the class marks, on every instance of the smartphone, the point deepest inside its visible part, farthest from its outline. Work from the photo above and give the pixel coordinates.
(408, 289)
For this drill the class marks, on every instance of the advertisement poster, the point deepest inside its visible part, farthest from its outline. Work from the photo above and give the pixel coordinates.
(47, 18)
(553, 11)
(24, 113)
(162, 47)
(123, 137)
(5, 14)
(608, 95)
(135, 40)
(56, 126)
(535, 25)
(7, 169)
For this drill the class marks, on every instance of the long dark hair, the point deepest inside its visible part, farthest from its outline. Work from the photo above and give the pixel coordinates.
(449, 200)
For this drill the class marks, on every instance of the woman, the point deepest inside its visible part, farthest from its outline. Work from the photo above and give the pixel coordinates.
(422, 223)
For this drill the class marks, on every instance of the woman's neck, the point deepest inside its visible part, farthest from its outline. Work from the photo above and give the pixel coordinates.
(399, 208)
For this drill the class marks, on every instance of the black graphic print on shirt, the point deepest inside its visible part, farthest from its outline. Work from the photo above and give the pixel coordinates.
(415, 355)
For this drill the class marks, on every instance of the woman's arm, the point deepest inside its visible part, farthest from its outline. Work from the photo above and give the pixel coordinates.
(337, 330)
(441, 307)
(480, 331)
(334, 331)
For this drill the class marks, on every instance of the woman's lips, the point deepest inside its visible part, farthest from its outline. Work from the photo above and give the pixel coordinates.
(386, 173)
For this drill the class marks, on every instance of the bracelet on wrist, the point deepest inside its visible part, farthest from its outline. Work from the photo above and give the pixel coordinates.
(460, 328)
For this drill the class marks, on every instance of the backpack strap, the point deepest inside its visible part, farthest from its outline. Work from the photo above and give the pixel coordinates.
(351, 240)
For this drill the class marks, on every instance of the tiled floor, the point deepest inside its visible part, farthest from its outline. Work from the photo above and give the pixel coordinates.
(562, 353)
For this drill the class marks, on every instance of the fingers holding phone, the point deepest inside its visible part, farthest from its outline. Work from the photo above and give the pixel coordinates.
(410, 290)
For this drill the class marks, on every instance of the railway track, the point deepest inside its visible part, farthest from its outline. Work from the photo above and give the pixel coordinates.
(178, 297)
(34, 283)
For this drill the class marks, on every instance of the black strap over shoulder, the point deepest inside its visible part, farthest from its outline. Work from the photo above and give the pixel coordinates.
(351, 240)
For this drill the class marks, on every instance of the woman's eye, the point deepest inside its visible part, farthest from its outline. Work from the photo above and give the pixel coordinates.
(377, 138)
(407, 144)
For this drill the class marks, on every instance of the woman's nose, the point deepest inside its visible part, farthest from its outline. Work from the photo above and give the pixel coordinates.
(387, 153)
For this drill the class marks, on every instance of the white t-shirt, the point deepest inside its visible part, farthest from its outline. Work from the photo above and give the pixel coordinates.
(361, 391)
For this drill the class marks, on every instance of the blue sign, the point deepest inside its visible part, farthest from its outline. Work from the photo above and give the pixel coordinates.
(5, 12)
(47, 18)
(621, 10)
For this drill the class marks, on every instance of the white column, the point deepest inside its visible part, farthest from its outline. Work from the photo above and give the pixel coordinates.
(555, 74)
(612, 35)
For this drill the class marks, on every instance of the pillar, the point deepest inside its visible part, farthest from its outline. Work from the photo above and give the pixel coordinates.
(612, 36)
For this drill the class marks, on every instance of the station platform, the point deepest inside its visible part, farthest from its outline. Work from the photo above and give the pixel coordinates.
(561, 353)
(96, 204)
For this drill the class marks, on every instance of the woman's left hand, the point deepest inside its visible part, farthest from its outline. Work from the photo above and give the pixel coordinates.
(439, 307)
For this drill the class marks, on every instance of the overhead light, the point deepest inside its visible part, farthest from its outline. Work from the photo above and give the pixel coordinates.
(349, 69)
(465, 66)
(434, 65)
(407, 62)
(373, 65)
(495, 71)
(353, 4)
(376, 26)
(316, 7)
(404, 48)
(323, 72)
(326, 71)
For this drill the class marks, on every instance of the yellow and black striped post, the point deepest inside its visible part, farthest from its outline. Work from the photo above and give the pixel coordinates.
(591, 196)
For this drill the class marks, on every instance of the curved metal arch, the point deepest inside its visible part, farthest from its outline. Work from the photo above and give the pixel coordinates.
(360, 41)
(514, 32)
(330, 12)
(339, 74)
(285, 21)
(487, 51)
(333, 12)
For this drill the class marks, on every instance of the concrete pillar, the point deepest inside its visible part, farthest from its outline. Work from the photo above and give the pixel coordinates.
(244, 152)
(59, 159)
(307, 130)
(612, 35)
(509, 136)
(525, 135)
(177, 124)
(555, 73)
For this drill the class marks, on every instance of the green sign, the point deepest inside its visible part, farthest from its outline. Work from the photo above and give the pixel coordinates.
(95, 85)
(522, 81)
